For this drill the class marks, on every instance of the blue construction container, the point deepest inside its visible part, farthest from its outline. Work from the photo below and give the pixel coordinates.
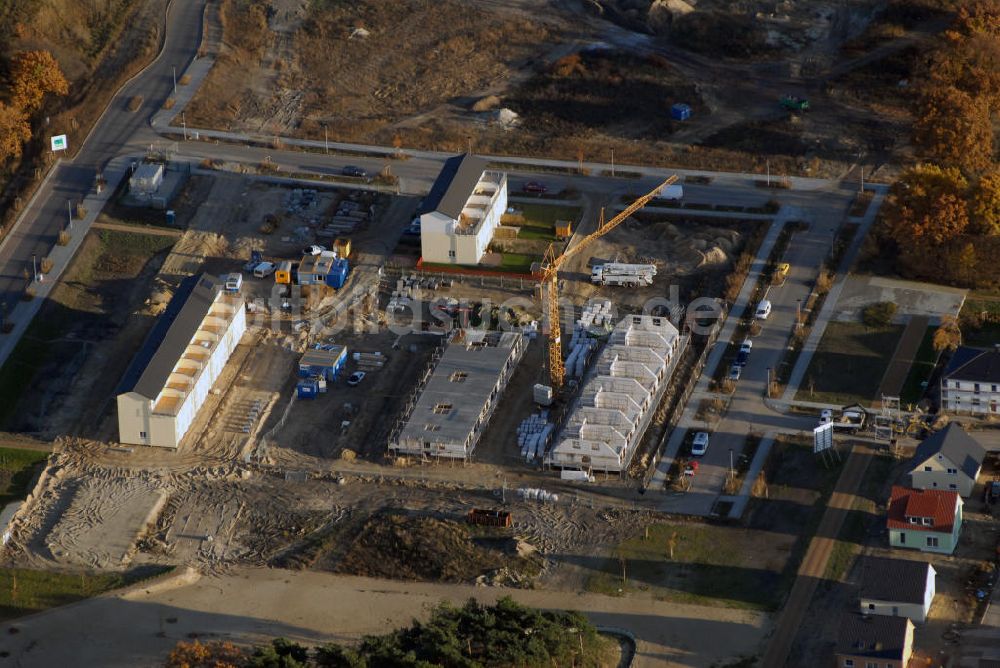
(338, 274)
(680, 112)
(308, 388)
(324, 361)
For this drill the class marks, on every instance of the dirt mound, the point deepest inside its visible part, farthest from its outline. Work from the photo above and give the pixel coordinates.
(400, 546)
(486, 103)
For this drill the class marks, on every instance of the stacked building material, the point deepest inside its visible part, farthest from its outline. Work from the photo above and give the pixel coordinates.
(534, 434)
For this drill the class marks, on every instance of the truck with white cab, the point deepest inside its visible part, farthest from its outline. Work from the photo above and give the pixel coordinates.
(617, 273)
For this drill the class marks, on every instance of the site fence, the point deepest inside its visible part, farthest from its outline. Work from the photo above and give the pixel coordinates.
(495, 280)
(687, 381)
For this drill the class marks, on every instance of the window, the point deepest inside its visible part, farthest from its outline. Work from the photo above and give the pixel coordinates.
(952, 471)
(871, 664)
(871, 606)
(932, 541)
(902, 538)
(442, 409)
(848, 663)
(928, 468)
(451, 253)
(957, 385)
(952, 486)
(975, 388)
(927, 521)
(993, 388)
(142, 434)
(912, 520)
(459, 377)
(432, 427)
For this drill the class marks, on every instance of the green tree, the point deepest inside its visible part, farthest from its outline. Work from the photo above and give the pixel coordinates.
(984, 204)
(281, 653)
(335, 656)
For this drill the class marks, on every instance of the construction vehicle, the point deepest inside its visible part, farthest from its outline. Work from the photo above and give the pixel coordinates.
(793, 103)
(549, 279)
(616, 273)
(490, 518)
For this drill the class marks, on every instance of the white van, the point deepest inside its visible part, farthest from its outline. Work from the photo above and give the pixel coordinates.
(763, 309)
(263, 269)
(234, 282)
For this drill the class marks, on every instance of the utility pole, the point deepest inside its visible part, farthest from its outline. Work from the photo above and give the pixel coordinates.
(34, 266)
(326, 139)
(69, 210)
(798, 314)
(175, 80)
(185, 124)
(768, 164)
(612, 162)
(862, 179)
(732, 472)
(767, 390)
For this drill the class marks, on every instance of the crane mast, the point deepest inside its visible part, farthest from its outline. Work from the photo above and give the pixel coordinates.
(551, 264)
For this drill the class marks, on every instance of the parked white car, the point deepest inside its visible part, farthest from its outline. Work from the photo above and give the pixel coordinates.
(699, 446)
(263, 270)
(763, 309)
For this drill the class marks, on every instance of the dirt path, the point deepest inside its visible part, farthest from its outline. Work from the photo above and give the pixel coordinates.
(139, 229)
(139, 629)
(902, 359)
(813, 566)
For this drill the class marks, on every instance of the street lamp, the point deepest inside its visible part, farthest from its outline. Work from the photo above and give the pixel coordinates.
(732, 472)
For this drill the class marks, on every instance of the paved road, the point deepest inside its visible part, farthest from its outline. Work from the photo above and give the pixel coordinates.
(813, 566)
(47, 214)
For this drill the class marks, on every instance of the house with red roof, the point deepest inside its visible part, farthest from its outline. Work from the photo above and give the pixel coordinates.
(928, 520)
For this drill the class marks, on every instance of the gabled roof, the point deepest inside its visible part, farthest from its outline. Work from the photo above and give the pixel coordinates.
(974, 365)
(874, 637)
(454, 184)
(957, 446)
(896, 580)
(938, 504)
(171, 336)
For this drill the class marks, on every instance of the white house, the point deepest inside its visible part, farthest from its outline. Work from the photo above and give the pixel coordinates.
(462, 211)
(174, 371)
(971, 382)
(609, 417)
(897, 587)
(949, 459)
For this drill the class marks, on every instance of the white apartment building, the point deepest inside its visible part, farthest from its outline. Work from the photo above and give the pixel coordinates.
(174, 371)
(971, 382)
(616, 401)
(462, 211)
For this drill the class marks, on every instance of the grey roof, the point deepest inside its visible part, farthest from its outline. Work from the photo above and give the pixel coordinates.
(957, 446)
(898, 580)
(466, 396)
(974, 365)
(194, 305)
(454, 184)
(873, 637)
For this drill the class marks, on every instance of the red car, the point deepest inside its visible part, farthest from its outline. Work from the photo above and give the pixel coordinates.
(534, 187)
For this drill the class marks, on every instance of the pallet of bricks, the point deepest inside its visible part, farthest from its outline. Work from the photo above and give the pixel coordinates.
(349, 217)
(534, 434)
(369, 361)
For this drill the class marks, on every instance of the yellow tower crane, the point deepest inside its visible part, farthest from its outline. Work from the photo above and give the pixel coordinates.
(551, 264)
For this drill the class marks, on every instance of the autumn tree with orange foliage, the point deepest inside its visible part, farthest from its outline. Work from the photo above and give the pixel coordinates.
(210, 655)
(14, 131)
(954, 128)
(35, 74)
(984, 204)
(927, 207)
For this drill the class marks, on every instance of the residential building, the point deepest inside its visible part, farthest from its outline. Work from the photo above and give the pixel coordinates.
(971, 382)
(461, 212)
(948, 459)
(874, 642)
(897, 587)
(612, 411)
(451, 410)
(928, 520)
(174, 371)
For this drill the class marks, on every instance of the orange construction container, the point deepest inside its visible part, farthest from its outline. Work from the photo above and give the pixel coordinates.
(564, 229)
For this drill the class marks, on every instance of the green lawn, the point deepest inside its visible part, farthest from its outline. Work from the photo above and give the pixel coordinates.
(17, 467)
(849, 363)
(24, 591)
(712, 565)
(920, 370)
(518, 262)
(546, 215)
